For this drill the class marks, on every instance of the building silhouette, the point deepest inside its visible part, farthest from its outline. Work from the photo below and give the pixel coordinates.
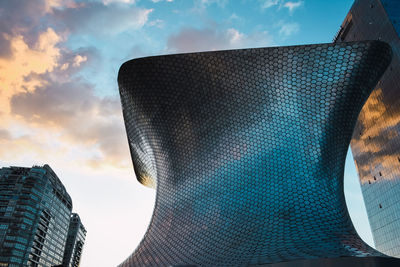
(75, 242)
(376, 139)
(35, 211)
(246, 149)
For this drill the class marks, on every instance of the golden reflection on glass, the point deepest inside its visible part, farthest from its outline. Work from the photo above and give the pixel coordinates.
(374, 145)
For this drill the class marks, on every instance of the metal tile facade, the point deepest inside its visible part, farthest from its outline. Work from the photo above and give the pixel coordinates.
(376, 140)
(246, 149)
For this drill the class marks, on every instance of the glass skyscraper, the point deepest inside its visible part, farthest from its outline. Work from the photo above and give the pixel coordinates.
(75, 241)
(376, 140)
(35, 211)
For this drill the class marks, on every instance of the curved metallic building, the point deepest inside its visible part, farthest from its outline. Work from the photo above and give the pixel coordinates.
(246, 149)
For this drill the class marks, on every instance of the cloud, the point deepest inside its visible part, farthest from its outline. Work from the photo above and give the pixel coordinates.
(191, 39)
(101, 19)
(27, 19)
(78, 116)
(269, 3)
(290, 5)
(157, 23)
(107, 17)
(138, 51)
(78, 59)
(4, 134)
(293, 5)
(200, 6)
(107, 2)
(12, 25)
(22, 147)
(73, 61)
(220, 3)
(48, 107)
(30, 49)
(287, 29)
(40, 58)
(50, 5)
(235, 17)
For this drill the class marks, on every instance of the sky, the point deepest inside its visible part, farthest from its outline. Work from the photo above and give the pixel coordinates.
(59, 101)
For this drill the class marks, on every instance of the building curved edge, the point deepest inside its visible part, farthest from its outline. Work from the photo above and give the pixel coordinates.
(241, 145)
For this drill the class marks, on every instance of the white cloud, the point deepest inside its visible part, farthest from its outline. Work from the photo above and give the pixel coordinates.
(201, 5)
(78, 59)
(107, 2)
(269, 3)
(234, 17)
(290, 5)
(157, 23)
(221, 3)
(191, 39)
(235, 36)
(100, 19)
(293, 5)
(287, 29)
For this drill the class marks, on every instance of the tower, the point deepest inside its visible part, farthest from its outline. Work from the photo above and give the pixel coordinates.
(34, 217)
(376, 140)
(75, 241)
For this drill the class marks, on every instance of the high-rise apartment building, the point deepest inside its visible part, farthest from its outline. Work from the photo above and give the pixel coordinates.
(75, 241)
(35, 211)
(376, 140)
